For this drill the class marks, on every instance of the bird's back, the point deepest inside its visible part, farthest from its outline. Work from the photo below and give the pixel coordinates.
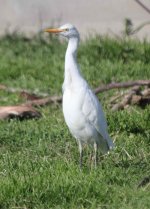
(92, 110)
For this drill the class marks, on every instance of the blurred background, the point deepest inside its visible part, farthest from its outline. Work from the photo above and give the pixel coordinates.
(96, 16)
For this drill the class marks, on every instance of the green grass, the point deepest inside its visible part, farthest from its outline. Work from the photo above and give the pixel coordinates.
(39, 158)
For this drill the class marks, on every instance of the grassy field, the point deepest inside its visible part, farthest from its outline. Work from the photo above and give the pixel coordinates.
(39, 158)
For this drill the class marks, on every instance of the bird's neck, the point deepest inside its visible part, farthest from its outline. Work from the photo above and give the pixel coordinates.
(72, 47)
(71, 67)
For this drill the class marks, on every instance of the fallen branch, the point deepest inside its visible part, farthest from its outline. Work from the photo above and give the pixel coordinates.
(44, 101)
(133, 97)
(29, 96)
(121, 85)
(126, 100)
(19, 111)
(26, 110)
(33, 96)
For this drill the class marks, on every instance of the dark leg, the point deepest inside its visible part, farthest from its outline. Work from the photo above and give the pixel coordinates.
(81, 155)
(95, 158)
(91, 159)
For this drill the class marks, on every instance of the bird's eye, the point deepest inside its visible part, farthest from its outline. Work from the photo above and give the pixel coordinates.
(67, 29)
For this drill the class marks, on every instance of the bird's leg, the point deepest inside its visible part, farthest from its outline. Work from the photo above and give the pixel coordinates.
(91, 159)
(81, 154)
(95, 158)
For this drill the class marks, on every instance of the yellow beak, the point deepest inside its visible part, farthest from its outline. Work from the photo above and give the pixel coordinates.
(54, 30)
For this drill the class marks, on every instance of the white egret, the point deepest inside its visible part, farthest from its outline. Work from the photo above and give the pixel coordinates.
(82, 111)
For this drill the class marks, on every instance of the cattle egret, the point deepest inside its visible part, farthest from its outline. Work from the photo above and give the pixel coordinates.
(82, 110)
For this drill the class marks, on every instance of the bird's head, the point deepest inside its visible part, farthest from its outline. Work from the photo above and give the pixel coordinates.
(67, 30)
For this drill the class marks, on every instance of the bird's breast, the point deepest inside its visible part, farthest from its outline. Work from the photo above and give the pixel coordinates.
(72, 105)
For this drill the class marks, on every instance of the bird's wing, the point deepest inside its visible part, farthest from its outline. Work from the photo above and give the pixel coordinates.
(93, 112)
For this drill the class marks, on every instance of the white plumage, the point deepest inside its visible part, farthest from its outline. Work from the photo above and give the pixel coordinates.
(82, 111)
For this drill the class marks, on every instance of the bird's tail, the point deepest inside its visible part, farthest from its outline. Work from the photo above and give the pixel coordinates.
(106, 144)
(110, 143)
